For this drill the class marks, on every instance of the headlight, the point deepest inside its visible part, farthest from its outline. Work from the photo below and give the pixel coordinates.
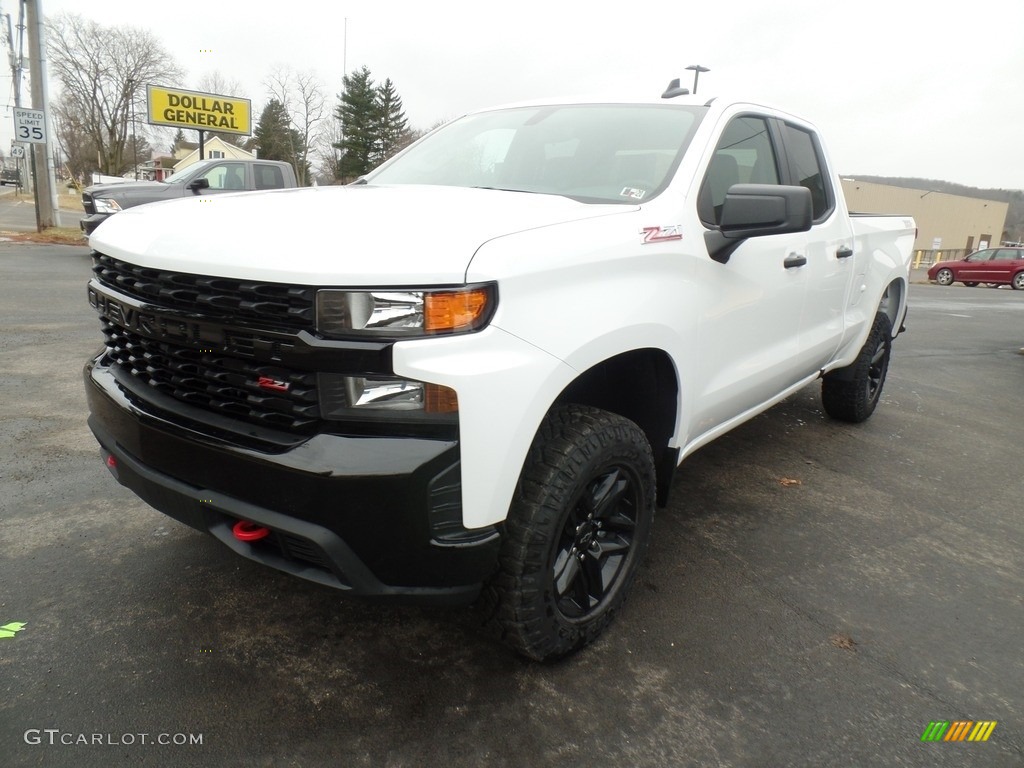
(404, 314)
(105, 205)
(343, 397)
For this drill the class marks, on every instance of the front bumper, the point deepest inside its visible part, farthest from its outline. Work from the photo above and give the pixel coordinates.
(89, 223)
(373, 516)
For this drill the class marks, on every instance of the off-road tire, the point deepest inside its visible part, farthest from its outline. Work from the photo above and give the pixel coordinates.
(576, 533)
(851, 393)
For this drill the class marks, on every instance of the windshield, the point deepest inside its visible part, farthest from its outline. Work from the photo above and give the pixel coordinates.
(599, 153)
(188, 172)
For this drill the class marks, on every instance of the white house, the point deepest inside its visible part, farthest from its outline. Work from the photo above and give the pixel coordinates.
(214, 147)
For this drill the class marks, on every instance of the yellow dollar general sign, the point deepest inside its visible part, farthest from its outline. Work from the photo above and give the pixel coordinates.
(958, 730)
(202, 111)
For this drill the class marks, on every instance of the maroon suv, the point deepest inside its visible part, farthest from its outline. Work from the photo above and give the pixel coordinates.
(997, 266)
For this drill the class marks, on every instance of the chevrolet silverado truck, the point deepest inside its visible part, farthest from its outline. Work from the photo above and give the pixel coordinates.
(477, 382)
(207, 177)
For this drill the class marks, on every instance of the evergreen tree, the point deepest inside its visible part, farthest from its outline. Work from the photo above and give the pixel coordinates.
(274, 137)
(179, 139)
(358, 114)
(373, 125)
(394, 127)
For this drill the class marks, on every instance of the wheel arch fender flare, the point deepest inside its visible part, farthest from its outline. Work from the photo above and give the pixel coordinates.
(642, 385)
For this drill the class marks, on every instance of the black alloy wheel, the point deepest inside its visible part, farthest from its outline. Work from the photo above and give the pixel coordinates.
(851, 393)
(576, 533)
(595, 543)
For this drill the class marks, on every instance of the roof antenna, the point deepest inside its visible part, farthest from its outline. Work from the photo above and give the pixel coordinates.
(674, 90)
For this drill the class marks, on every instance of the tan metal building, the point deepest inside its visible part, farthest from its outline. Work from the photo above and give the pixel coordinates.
(948, 226)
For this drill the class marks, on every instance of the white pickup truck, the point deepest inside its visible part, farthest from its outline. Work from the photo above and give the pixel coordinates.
(472, 374)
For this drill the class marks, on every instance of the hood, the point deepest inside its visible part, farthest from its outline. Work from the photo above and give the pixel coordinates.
(347, 236)
(135, 193)
(102, 190)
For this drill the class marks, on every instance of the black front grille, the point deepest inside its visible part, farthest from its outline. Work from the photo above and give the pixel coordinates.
(272, 305)
(219, 382)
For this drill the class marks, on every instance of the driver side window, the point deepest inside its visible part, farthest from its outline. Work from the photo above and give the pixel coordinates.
(227, 176)
(744, 155)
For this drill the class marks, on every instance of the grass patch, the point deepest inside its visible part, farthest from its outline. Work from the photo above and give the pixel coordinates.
(69, 201)
(51, 236)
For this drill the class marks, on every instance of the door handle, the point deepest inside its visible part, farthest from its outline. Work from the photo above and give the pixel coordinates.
(794, 260)
(844, 252)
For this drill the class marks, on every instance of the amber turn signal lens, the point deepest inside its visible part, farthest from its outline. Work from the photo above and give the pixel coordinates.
(438, 399)
(448, 311)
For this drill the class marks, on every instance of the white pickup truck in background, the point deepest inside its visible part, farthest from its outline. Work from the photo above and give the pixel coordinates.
(477, 382)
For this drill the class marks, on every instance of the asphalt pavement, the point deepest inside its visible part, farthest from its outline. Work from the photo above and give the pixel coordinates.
(816, 593)
(18, 212)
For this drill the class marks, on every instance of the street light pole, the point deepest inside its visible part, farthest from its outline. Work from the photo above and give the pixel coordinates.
(135, 144)
(697, 69)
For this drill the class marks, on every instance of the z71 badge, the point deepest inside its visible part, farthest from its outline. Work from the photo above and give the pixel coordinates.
(662, 234)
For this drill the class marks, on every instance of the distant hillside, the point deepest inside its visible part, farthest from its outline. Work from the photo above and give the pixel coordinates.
(1015, 197)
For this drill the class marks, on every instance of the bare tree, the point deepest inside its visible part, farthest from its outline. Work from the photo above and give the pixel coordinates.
(216, 82)
(102, 72)
(328, 156)
(302, 94)
(76, 143)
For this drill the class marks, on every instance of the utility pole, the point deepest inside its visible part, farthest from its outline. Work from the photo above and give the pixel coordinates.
(47, 209)
(17, 61)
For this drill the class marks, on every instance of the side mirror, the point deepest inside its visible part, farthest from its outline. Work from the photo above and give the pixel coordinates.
(757, 210)
(196, 184)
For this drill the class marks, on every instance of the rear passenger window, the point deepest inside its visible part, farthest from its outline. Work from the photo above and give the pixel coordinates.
(1007, 255)
(269, 177)
(808, 168)
(744, 155)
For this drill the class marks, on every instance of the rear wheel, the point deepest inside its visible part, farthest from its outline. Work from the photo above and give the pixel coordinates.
(851, 393)
(944, 276)
(970, 285)
(1018, 281)
(576, 533)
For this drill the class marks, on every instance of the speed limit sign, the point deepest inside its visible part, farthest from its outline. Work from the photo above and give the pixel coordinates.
(17, 151)
(29, 125)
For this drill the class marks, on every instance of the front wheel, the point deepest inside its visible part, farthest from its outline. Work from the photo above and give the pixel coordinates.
(576, 532)
(944, 276)
(851, 393)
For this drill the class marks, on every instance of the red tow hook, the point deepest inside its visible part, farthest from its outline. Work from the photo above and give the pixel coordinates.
(111, 462)
(243, 530)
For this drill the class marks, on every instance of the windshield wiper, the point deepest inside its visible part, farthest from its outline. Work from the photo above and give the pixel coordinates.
(524, 191)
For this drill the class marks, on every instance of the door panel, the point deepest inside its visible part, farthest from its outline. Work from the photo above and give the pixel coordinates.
(751, 306)
(829, 275)
(976, 268)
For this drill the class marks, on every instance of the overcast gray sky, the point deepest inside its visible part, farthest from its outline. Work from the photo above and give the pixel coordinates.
(898, 88)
